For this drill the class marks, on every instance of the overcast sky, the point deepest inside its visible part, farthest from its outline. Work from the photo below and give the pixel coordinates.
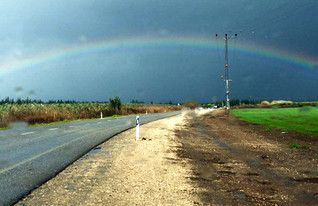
(33, 29)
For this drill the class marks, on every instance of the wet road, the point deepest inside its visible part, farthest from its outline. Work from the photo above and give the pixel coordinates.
(31, 156)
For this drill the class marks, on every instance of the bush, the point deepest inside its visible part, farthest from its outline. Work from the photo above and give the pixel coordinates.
(115, 103)
(191, 104)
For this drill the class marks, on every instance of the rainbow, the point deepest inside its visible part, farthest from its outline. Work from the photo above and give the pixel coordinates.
(290, 59)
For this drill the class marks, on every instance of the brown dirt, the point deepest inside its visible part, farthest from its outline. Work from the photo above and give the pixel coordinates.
(210, 159)
(238, 163)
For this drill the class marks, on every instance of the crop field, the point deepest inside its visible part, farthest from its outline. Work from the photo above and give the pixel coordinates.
(37, 113)
(303, 119)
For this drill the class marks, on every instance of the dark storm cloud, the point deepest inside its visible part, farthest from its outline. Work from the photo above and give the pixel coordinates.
(34, 27)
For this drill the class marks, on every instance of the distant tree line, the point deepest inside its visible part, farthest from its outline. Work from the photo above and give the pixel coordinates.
(135, 101)
(34, 101)
(237, 102)
(19, 101)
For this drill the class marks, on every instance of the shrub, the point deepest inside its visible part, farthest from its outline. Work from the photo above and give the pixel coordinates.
(115, 103)
(191, 104)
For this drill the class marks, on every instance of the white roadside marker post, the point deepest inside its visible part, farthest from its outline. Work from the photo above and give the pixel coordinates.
(137, 128)
(101, 115)
(146, 111)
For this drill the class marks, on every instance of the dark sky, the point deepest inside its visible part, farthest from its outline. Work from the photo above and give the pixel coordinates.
(34, 29)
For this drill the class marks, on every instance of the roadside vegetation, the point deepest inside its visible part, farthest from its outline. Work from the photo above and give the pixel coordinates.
(302, 119)
(38, 112)
(297, 146)
(191, 104)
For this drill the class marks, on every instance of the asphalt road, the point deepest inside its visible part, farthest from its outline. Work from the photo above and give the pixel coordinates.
(31, 156)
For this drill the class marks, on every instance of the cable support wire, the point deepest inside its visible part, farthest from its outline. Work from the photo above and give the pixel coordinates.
(270, 22)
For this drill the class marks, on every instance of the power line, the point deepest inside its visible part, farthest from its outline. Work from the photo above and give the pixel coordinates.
(283, 14)
(293, 26)
(262, 22)
(287, 14)
(267, 13)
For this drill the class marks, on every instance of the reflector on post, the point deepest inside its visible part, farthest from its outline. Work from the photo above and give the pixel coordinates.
(137, 128)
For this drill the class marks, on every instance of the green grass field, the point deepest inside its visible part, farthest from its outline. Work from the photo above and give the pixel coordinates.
(303, 119)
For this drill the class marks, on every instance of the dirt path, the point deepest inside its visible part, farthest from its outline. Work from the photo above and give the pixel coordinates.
(123, 171)
(237, 163)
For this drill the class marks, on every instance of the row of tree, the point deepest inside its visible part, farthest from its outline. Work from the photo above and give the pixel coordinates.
(32, 101)
(116, 102)
(237, 102)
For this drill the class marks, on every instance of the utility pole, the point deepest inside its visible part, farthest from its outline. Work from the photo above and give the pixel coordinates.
(226, 75)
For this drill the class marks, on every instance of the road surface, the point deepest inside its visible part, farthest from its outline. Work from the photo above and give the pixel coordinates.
(31, 156)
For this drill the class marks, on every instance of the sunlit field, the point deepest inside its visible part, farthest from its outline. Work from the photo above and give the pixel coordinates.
(303, 119)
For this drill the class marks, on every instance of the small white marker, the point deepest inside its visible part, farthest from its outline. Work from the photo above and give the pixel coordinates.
(137, 128)
(71, 126)
(101, 115)
(53, 129)
(26, 133)
(99, 122)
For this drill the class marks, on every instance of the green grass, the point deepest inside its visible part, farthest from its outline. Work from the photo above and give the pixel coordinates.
(297, 146)
(4, 128)
(54, 123)
(303, 119)
(75, 120)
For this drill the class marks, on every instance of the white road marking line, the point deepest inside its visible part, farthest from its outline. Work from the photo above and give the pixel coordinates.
(99, 122)
(71, 126)
(53, 129)
(26, 133)
(86, 124)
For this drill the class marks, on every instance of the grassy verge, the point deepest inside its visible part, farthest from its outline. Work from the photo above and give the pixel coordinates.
(54, 123)
(303, 120)
(67, 121)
